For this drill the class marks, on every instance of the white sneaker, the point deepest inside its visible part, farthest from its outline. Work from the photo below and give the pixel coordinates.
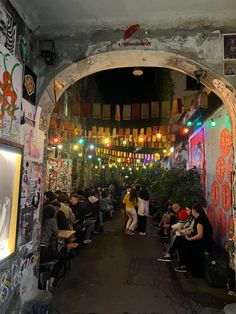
(142, 233)
(86, 241)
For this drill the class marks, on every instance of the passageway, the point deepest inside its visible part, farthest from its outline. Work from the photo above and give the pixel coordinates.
(119, 274)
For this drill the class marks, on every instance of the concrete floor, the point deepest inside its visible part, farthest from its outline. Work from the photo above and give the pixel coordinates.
(118, 274)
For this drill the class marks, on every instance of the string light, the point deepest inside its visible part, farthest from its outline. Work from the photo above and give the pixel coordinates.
(185, 131)
(80, 154)
(75, 147)
(91, 146)
(189, 123)
(90, 156)
(172, 149)
(158, 136)
(213, 123)
(106, 140)
(60, 146)
(124, 142)
(164, 151)
(56, 140)
(81, 141)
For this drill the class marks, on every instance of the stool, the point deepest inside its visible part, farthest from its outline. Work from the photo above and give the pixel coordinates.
(70, 247)
(44, 273)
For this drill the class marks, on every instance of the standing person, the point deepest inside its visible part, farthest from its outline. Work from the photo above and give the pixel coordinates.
(143, 210)
(130, 201)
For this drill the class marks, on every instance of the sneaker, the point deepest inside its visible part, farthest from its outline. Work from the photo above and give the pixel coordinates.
(164, 259)
(129, 232)
(142, 233)
(181, 269)
(86, 241)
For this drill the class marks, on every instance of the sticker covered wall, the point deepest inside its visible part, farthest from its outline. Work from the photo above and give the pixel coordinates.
(219, 175)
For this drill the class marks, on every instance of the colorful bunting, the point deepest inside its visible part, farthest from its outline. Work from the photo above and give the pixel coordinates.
(135, 111)
(155, 109)
(145, 111)
(106, 115)
(96, 111)
(127, 112)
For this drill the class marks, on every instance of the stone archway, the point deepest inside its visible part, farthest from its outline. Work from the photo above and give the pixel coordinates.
(143, 58)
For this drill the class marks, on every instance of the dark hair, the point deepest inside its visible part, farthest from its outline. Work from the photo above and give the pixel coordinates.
(133, 195)
(87, 193)
(104, 194)
(143, 194)
(58, 192)
(50, 196)
(56, 203)
(48, 212)
(79, 192)
(198, 208)
(63, 198)
(75, 195)
(189, 205)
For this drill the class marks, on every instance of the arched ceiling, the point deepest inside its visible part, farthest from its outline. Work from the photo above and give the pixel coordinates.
(61, 15)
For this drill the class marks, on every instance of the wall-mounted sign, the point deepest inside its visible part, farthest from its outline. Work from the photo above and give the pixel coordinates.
(229, 46)
(10, 174)
(7, 31)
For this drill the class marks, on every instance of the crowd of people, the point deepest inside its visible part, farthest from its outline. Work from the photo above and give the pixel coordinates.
(190, 234)
(187, 228)
(84, 212)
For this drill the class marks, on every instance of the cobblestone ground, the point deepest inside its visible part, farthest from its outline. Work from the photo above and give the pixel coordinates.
(118, 274)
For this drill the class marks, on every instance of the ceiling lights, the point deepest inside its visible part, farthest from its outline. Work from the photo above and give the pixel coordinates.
(137, 71)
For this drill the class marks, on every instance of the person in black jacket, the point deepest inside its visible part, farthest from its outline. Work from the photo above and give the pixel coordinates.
(62, 222)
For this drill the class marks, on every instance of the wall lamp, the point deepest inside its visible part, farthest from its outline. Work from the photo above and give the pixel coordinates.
(47, 48)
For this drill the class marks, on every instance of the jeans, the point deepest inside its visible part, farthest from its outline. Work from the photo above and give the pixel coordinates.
(133, 219)
(89, 228)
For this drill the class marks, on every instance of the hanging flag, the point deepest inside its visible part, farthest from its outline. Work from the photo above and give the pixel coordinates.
(106, 114)
(94, 130)
(117, 113)
(203, 100)
(121, 132)
(135, 111)
(90, 134)
(145, 111)
(127, 132)
(187, 103)
(135, 133)
(75, 108)
(114, 132)
(142, 131)
(100, 131)
(86, 110)
(107, 132)
(127, 112)
(165, 108)
(155, 109)
(96, 111)
(149, 132)
(175, 107)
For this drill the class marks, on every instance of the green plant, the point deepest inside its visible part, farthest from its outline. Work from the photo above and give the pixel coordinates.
(177, 185)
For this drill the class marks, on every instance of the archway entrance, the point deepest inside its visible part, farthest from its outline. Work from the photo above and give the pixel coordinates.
(120, 59)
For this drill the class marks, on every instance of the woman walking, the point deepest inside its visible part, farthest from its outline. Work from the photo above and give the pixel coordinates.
(130, 201)
(143, 211)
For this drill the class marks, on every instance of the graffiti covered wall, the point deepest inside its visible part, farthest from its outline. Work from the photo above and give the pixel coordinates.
(219, 176)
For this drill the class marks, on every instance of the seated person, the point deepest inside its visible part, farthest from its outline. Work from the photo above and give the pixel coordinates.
(180, 230)
(63, 199)
(62, 222)
(48, 250)
(170, 219)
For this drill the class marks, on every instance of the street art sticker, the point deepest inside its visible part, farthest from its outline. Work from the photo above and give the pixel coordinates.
(21, 274)
(220, 169)
(10, 95)
(215, 193)
(34, 143)
(7, 31)
(225, 142)
(226, 196)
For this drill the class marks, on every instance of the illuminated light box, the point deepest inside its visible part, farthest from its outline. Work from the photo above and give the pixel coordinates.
(10, 179)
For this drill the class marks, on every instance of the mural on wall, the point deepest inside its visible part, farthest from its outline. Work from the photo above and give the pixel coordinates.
(219, 176)
(197, 157)
(10, 95)
(7, 31)
(181, 159)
